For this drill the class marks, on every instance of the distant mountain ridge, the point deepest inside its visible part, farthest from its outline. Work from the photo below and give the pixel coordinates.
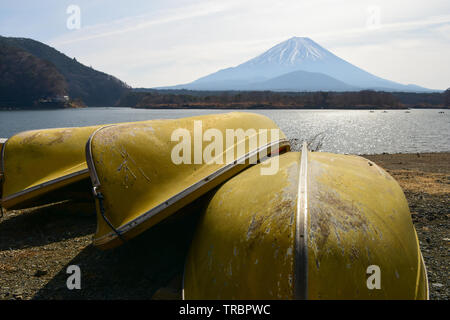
(296, 54)
(301, 81)
(93, 87)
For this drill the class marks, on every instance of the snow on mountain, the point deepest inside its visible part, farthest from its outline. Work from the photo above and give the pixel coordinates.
(295, 54)
(292, 52)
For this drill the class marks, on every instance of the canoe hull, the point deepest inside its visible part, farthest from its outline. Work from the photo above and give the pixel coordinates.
(313, 231)
(36, 163)
(134, 162)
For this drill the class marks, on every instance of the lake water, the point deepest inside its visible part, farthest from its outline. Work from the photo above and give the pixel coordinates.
(343, 131)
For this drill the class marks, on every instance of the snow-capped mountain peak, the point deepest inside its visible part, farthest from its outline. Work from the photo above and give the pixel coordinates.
(295, 63)
(292, 52)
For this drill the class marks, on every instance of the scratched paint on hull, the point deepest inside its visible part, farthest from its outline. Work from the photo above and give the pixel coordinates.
(359, 217)
(133, 162)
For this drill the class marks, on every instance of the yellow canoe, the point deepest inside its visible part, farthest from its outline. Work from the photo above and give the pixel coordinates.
(138, 177)
(326, 226)
(2, 143)
(38, 162)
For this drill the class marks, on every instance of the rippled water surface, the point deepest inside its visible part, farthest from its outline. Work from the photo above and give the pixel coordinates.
(343, 131)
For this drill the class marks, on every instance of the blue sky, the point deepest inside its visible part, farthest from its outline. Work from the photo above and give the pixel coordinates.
(156, 43)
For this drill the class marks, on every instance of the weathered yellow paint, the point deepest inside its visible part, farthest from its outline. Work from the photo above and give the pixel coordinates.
(2, 143)
(39, 161)
(244, 245)
(357, 216)
(131, 166)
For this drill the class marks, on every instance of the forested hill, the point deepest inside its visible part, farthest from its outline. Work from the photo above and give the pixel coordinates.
(59, 75)
(24, 79)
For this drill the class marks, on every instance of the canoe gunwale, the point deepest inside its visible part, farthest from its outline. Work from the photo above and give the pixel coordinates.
(283, 144)
(2, 170)
(2, 159)
(81, 173)
(422, 264)
(95, 181)
(90, 160)
(425, 271)
(301, 234)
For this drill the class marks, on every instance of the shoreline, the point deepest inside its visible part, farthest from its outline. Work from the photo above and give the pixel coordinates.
(37, 244)
(374, 108)
(371, 108)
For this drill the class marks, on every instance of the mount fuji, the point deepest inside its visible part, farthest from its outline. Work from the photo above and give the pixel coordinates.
(297, 64)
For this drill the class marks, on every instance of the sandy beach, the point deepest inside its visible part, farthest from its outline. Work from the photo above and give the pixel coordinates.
(38, 244)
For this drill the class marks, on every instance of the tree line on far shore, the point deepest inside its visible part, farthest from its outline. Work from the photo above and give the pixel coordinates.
(366, 99)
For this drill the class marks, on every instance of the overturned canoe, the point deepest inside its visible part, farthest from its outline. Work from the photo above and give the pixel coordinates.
(326, 226)
(144, 172)
(2, 143)
(38, 162)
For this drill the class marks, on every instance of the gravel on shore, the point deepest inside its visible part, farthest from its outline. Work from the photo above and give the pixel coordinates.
(425, 180)
(38, 244)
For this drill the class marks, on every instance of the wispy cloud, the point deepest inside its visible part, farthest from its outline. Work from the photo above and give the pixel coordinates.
(141, 22)
(405, 29)
(180, 44)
